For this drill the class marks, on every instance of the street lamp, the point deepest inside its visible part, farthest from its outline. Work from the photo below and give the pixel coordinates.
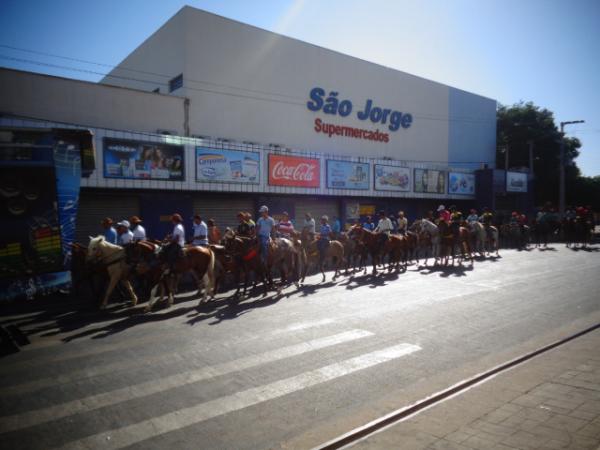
(561, 192)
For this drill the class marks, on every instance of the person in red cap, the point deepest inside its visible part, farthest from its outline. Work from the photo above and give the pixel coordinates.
(174, 250)
(139, 233)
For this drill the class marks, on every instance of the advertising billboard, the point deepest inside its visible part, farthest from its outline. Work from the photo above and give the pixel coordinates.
(294, 171)
(516, 182)
(461, 183)
(390, 178)
(140, 160)
(429, 181)
(227, 166)
(347, 175)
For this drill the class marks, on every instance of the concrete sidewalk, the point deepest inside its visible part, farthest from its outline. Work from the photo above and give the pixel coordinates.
(549, 402)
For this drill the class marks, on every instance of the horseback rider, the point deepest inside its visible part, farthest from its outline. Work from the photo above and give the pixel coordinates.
(324, 237)
(472, 217)
(250, 223)
(402, 223)
(514, 219)
(369, 225)
(244, 228)
(200, 236)
(384, 228)
(285, 226)
(110, 234)
(443, 214)
(264, 228)
(125, 236)
(139, 233)
(486, 218)
(174, 249)
(455, 221)
(336, 228)
(309, 226)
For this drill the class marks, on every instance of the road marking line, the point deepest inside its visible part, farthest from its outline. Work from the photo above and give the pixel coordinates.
(93, 402)
(132, 343)
(176, 420)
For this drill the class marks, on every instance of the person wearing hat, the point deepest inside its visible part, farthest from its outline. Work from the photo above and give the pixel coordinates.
(139, 233)
(472, 217)
(310, 227)
(125, 236)
(369, 225)
(384, 227)
(110, 234)
(174, 249)
(456, 218)
(244, 228)
(443, 214)
(285, 226)
(486, 219)
(324, 237)
(402, 223)
(200, 236)
(265, 226)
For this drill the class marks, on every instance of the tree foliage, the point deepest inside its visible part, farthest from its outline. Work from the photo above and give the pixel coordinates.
(521, 123)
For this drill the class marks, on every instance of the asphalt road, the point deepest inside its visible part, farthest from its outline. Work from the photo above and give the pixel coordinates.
(286, 371)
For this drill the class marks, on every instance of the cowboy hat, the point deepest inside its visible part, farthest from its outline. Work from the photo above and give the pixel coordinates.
(135, 219)
(124, 223)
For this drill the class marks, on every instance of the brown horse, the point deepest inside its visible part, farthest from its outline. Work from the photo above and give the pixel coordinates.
(372, 241)
(287, 257)
(449, 241)
(244, 252)
(354, 251)
(334, 254)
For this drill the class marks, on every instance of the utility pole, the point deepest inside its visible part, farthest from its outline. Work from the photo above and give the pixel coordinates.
(561, 181)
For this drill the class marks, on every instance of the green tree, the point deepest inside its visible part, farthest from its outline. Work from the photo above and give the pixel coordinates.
(521, 123)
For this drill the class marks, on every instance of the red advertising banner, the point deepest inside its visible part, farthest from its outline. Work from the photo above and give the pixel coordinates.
(294, 171)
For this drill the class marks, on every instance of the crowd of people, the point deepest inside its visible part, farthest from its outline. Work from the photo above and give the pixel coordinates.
(265, 227)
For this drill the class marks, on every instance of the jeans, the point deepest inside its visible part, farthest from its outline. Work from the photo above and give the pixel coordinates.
(264, 248)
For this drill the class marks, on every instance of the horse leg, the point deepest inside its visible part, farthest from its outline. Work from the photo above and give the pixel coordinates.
(131, 292)
(111, 286)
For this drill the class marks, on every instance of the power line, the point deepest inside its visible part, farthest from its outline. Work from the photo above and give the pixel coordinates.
(299, 102)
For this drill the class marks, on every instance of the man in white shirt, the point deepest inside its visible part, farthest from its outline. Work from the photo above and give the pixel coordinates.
(125, 236)
(200, 231)
(309, 225)
(174, 249)
(139, 233)
(384, 228)
(402, 223)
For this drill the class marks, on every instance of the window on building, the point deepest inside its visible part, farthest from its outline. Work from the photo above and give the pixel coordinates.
(176, 83)
(156, 91)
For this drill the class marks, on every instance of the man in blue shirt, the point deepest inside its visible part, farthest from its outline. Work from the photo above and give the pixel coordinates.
(369, 225)
(324, 236)
(110, 234)
(337, 227)
(264, 228)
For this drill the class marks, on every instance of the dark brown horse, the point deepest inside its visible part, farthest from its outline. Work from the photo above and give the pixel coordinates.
(372, 241)
(245, 257)
(354, 252)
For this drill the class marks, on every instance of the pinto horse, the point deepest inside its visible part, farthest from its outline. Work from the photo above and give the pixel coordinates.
(428, 238)
(484, 242)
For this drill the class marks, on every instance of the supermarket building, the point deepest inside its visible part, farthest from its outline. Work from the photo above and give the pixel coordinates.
(214, 116)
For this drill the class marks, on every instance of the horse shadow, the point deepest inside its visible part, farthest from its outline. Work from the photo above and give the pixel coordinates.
(459, 270)
(584, 249)
(547, 249)
(372, 281)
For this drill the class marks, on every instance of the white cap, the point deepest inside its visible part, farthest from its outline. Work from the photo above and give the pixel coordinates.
(441, 208)
(124, 223)
(324, 218)
(263, 208)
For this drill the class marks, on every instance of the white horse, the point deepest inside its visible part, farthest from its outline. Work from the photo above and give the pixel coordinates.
(482, 243)
(426, 226)
(113, 258)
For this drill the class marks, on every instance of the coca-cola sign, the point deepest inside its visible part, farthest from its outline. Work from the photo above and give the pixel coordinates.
(294, 171)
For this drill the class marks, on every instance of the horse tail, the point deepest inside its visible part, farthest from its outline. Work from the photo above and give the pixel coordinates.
(209, 276)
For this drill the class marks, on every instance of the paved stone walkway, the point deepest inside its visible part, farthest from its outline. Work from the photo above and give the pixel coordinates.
(550, 402)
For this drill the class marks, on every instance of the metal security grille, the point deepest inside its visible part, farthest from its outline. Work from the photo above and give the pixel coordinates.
(223, 209)
(93, 207)
(317, 207)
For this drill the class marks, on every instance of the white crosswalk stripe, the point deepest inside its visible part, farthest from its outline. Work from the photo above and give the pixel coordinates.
(176, 420)
(91, 403)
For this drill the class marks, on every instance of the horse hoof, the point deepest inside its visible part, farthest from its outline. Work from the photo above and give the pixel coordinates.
(147, 309)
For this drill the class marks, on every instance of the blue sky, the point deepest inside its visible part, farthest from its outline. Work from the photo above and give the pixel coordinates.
(545, 51)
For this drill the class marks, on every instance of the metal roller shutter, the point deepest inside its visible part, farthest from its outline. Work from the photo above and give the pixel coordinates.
(93, 207)
(223, 209)
(317, 207)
